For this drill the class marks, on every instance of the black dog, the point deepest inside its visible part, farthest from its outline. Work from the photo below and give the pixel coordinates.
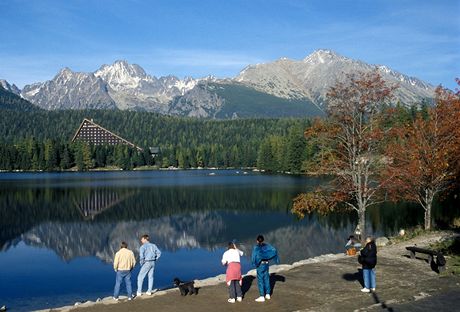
(185, 287)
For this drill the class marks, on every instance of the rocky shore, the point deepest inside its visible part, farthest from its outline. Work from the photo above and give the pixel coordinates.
(325, 283)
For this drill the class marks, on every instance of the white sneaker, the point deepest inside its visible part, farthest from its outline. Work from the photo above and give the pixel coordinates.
(267, 296)
(130, 298)
(260, 299)
(148, 293)
(138, 294)
(239, 299)
(365, 290)
(116, 299)
(231, 300)
(373, 289)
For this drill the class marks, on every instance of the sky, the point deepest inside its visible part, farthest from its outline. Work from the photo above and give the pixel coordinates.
(220, 37)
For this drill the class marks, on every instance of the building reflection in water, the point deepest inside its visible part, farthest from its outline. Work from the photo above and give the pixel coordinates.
(98, 201)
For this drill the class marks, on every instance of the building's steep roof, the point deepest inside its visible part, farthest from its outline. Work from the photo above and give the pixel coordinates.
(90, 132)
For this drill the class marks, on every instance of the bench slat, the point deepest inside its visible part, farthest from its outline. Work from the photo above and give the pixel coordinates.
(422, 250)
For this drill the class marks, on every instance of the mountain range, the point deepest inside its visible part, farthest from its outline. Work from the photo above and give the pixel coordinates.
(281, 88)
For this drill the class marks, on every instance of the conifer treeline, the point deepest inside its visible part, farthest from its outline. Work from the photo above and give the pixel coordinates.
(41, 141)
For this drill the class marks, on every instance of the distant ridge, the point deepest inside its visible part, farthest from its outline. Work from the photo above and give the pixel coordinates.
(12, 101)
(284, 87)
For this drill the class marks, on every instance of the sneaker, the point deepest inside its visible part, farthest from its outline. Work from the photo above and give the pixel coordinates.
(148, 293)
(365, 290)
(116, 299)
(260, 299)
(231, 300)
(373, 289)
(130, 298)
(138, 294)
(267, 296)
(239, 299)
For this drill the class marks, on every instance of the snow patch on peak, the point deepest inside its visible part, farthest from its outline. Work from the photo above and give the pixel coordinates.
(322, 56)
(185, 85)
(208, 78)
(122, 75)
(32, 92)
(121, 62)
(65, 72)
(384, 69)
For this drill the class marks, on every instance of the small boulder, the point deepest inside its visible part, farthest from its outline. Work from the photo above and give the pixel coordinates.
(381, 241)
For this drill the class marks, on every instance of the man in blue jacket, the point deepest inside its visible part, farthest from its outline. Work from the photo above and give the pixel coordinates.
(148, 255)
(261, 255)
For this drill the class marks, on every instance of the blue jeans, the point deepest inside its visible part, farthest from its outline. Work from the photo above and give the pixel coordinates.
(369, 278)
(126, 276)
(147, 268)
(263, 279)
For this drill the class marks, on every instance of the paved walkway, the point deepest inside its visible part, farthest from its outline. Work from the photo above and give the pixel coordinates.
(403, 284)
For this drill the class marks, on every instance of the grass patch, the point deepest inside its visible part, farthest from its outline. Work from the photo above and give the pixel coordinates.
(409, 234)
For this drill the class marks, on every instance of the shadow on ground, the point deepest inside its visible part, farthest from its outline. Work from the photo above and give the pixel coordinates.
(247, 282)
(382, 303)
(274, 278)
(352, 277)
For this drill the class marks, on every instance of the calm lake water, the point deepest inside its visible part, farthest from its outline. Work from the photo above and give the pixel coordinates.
(60, 231)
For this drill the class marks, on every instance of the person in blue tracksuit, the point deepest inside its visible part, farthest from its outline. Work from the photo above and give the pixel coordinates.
(262, 254)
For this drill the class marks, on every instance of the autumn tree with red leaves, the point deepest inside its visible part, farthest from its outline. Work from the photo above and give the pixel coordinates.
(350, 144)
(425, 153)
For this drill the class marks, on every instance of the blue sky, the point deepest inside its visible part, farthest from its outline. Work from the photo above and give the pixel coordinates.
(220, 37)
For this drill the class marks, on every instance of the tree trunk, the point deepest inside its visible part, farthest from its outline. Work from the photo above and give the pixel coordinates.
(428, 216)
(429, 202)
(362, 223)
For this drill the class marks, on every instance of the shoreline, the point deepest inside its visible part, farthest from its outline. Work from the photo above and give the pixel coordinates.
(206, 282)
(144, 168)
(395, 247)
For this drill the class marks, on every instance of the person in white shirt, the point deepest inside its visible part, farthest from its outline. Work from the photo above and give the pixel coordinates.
(231, 258)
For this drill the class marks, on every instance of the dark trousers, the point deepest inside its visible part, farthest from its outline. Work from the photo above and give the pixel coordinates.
(234, 289)
(263, 279)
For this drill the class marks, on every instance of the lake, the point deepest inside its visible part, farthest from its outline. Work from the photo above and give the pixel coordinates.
(60, 231)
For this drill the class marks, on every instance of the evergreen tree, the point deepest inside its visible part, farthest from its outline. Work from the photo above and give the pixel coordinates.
(65, 159)
(296, 150)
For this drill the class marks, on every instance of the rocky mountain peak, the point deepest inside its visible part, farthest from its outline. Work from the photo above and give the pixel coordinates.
(64, 74)
(323, 56)
(121, 75)
(70, 90)
(9, 87)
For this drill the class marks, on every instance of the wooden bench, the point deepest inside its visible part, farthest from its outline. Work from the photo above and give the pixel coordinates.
(440, 260)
